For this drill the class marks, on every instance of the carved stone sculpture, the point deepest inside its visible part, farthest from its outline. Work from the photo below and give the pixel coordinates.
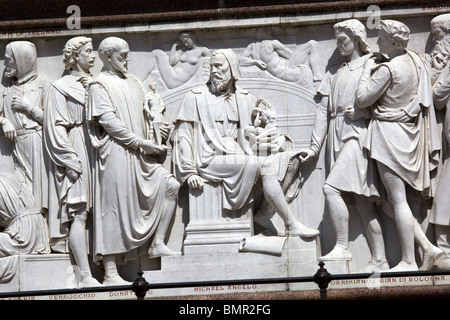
(134, 196)
(344, 124)
(439, 57)
(400, 91)
(281, 62)
(155, 109)
(67, 142)
(266, 140)
(264, 144)
(24, 230)
(439, 64)
(440, 217)
(22, 109)
(185, 60)
(210, 145)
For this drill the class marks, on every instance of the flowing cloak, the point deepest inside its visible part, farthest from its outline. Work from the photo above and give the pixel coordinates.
(440, 213)
(24, 227)
(25, 230)
(129, 186)
(202, 147)
(28, 147)
(349, 168)
(402, 134)
(67, 143)
(199, 148)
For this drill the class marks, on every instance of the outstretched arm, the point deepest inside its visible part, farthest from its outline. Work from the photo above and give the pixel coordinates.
(372, 87)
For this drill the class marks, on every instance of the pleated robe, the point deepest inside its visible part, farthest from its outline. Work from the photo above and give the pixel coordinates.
(129, 186)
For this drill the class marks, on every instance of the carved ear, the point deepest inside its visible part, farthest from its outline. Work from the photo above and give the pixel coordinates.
(109, 53)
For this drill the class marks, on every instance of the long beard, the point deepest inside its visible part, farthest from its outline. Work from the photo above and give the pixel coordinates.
(10, 73)
(219, 83)
(118, 66)
(442, 47)
(440, 54)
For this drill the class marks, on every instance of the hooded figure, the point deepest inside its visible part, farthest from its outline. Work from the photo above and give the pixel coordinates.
(23, 109)
(232, 60)
(25, 58)
(218, 117)
(210, 144)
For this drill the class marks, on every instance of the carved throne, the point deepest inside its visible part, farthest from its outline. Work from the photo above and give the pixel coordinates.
(212, 229)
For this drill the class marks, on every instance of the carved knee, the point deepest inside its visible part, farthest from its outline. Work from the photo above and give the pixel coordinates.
(173, 186)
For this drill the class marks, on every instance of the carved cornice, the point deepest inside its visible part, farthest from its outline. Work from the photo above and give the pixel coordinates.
(52, 14)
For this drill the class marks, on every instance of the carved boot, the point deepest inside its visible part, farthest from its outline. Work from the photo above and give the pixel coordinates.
(161, 250)
(375, 266)
(443, 263)
(89, 282)
(297, 229)
(403, 266)
(115, 280)
(337, 254)
(430, 257)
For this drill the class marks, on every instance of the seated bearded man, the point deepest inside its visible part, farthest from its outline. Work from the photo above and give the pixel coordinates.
(210, 144)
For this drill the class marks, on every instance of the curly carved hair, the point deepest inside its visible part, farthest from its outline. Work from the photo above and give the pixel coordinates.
(441, 21)
(397, 31)
(72, 48)
(355, 29)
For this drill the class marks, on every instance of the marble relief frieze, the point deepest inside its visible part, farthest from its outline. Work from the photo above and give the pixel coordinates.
(227, 149)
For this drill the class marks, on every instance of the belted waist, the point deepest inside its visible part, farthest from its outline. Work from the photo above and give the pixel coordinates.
(335, 115)
(22, 132)
(76, 125)
(393, 116)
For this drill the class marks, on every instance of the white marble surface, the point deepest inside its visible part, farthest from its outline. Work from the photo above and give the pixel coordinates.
(296, 107)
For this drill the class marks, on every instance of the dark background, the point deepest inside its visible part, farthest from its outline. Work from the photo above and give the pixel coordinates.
(27, 14)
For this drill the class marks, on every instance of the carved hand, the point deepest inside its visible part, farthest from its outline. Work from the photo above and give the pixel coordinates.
(19, 103)
(195, 182)
(306, 155)
(9, 130)
(72, 174)
(261, 65)
(151, 148)
(349, 112)
(373, 62)
(85, 80)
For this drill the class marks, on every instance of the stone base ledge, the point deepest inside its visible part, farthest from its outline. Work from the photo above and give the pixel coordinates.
(41, 272)
(385, 293)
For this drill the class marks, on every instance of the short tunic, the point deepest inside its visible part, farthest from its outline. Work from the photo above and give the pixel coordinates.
(349, 167)
(402, 134)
